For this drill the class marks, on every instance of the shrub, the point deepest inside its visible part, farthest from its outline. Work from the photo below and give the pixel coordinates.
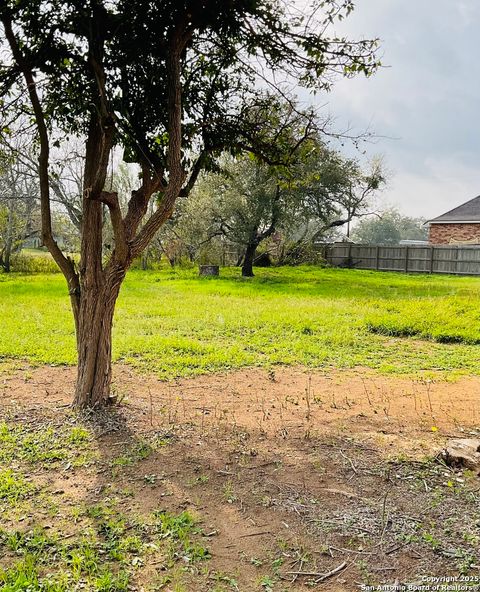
(301, 253)
(39, 262)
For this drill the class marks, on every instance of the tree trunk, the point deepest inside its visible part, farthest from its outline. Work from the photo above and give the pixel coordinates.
(6, 259)
(7, 251)
(94, 343)
(240, 260)
(6, 255)
(248, 258)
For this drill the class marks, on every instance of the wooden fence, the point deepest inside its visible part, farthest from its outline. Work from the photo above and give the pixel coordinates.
(460, 260)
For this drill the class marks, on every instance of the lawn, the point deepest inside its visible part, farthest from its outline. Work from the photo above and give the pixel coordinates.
(255, 481)
(174, 323)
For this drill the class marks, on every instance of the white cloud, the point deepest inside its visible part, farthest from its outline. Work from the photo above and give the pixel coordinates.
(468, 12)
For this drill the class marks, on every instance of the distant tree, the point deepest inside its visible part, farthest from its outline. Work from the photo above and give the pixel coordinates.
(314, 191)
(337, 190)
(389, 228)
(251, 204)
(251, 196)
(13, 231)
(65, 171)
(18, 208)
(192, 231)
(174, 83)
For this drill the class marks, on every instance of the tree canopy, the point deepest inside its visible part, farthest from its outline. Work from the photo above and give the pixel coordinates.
(389, 228)
(147, 69)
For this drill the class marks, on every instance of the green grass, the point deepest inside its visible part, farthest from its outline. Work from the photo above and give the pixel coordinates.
(70, 446)
(102, 558)
(87, 544)
(177, 324)
(13, 487)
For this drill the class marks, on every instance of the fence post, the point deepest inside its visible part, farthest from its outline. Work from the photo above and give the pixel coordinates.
(406, 259)
(377, 257)
(432, 256)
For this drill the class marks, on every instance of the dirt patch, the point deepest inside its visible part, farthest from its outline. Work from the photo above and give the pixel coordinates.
(305, 402)
(293, 474)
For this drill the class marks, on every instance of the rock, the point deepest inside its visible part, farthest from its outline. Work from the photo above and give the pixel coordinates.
(464, 453)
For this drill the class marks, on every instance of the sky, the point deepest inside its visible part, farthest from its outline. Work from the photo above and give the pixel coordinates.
(424, 104)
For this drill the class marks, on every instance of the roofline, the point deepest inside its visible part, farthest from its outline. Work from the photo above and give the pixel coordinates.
(449, 217)
(452, 222)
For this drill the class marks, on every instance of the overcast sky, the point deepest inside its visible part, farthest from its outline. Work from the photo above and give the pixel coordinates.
(428, 99)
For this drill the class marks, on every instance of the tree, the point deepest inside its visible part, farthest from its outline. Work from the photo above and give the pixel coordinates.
(314, 190)
(254, 191)
(254, 194)
(250, 206)
(173, 83)
(13, 231)
(389, 228)
(18, 208)
(336, 190)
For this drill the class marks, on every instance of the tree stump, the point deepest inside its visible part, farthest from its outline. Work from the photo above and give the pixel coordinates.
(209, 270)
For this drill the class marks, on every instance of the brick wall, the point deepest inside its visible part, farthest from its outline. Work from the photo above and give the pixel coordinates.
(444, 234)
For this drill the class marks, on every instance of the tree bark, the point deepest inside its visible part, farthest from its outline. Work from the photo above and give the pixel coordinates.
(6, 259)
(94, 342)
(6, 254)
(248, 258)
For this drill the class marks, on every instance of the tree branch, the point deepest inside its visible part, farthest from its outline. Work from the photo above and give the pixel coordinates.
(65, 264)
(110, 199)
(176, 174)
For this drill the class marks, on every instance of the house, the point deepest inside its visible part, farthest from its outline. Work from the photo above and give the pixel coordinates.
(458, 226)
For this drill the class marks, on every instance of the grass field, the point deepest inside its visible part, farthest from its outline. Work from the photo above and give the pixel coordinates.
(177, 324)
(255, 481)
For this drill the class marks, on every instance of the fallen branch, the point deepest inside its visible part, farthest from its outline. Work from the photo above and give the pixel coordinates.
(252, 534)
(332, 573)
(321, 577)
(354, 469)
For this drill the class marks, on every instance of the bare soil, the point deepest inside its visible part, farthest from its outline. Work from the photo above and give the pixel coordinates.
(293, 473)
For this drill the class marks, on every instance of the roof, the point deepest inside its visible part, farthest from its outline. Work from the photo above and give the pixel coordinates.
(413, 242)
(467, 212)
